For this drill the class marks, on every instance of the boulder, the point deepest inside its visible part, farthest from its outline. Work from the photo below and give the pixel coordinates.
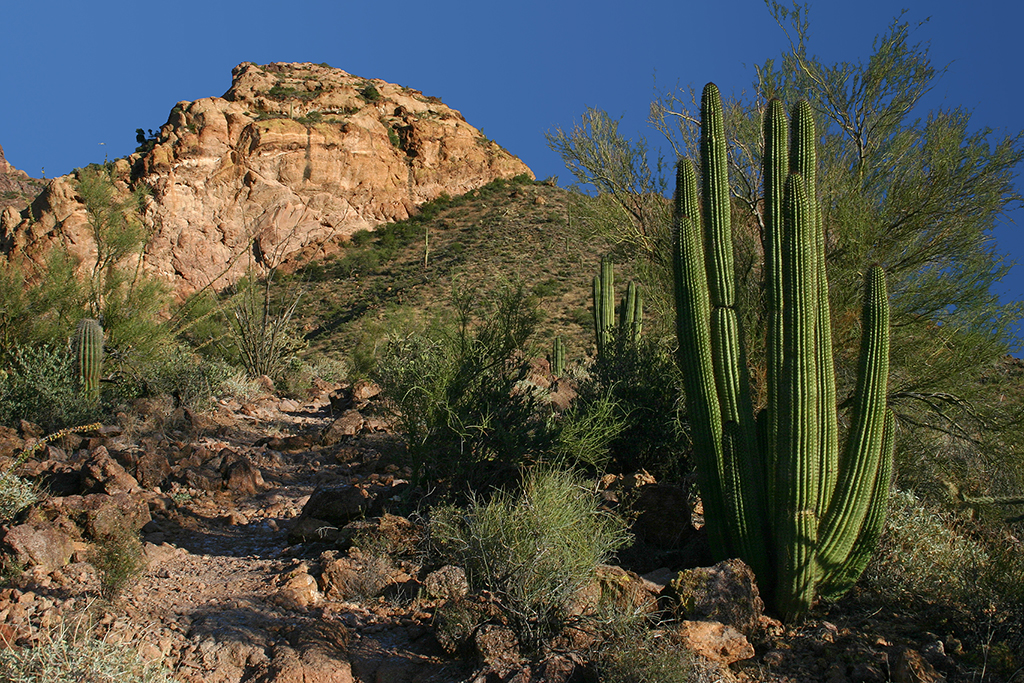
(726, 592)
(339, 505)
(349, 423)
(911, 667)
(102, 474)
(447, 583)
(714, 640)
(497, 647)
(38, 544)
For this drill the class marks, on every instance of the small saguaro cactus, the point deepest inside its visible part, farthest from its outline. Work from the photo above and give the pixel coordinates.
(558, 358)
(631, 311)
(775, 490)
(88, 349)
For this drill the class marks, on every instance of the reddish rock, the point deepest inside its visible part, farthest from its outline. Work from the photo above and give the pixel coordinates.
(497, 647)
(312, 664)
(339, 505)
(225, 169)
(714, 640)
(726, 592)
(349, 424)
(364, 391)
(911, 667)
(102, 474)
(38, 544)
(152, 469)
(447, 583)
(97, 515)
(241, 476)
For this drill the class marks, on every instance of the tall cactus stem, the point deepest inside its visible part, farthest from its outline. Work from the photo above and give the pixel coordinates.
(87, 345)
(775, 490)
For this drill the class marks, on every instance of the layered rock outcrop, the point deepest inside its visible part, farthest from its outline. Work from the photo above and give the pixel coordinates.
(16, 187)
(289, 162)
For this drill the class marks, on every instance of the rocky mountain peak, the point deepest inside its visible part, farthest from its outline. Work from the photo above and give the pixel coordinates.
(292, 160)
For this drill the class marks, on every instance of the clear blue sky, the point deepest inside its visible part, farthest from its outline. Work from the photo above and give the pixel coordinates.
(79, 77)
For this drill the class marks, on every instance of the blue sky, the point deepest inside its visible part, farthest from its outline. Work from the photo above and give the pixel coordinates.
(79, 78)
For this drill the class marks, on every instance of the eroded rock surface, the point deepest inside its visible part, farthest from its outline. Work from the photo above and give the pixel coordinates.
(291, 160)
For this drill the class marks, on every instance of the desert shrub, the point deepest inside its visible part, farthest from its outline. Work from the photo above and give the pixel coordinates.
(643, 381)
(16, 494)
(39, 385)
(456, 396)
(924, 554)
(64, 656)
(534, 550)
(358, 261)
(119, 559)
(262, 328)
(192, 379)
(586, 431)
(640, 655)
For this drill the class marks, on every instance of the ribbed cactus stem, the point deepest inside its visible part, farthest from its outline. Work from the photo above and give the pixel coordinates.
(778, 496)
(604, 305)
(87, 345)
(558, 358)
(631, 314)
(864, 452)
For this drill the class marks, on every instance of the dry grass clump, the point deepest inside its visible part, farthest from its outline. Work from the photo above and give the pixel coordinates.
(67, 655)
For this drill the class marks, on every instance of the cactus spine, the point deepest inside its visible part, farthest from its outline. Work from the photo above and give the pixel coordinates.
(775, 490)
(88, 350)
(631, 311)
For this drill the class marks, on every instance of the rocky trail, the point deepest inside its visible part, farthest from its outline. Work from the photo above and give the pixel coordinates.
(274, 553)
(230, 591)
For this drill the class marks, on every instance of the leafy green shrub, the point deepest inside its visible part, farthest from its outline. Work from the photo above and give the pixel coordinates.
(640, 655)
(356, 262)
(369, 92)
(192, 379)
(534, 551)
(16, 494)
(361, 238)
(586, 431)
(39, 386)
(455, 391)
(922, 554)
(643, 381)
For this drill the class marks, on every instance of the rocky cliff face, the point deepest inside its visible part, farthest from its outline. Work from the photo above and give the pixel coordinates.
(16, 188)
(289, 162)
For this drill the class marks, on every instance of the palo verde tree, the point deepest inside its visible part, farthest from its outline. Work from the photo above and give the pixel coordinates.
(917, 195)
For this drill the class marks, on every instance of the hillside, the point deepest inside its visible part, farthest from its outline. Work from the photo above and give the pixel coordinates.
(293, 157)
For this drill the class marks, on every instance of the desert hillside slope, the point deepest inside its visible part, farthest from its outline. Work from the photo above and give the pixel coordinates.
(292, 159)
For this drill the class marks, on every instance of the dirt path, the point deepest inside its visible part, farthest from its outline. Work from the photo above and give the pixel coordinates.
(229, 594)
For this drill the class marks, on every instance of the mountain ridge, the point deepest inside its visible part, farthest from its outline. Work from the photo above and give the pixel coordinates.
(292, 160)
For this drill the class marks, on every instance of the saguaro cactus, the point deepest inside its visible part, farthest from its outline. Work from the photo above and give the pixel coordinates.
(774, 488)
(88, 349)
(631, 311)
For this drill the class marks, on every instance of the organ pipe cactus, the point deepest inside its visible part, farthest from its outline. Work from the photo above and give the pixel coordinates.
(87, 346)
(631, 311)
(775, 490)
(558, 357)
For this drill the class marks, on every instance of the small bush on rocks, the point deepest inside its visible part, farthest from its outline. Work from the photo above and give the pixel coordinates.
(119, 559)
(62, 656)
(534, 551)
